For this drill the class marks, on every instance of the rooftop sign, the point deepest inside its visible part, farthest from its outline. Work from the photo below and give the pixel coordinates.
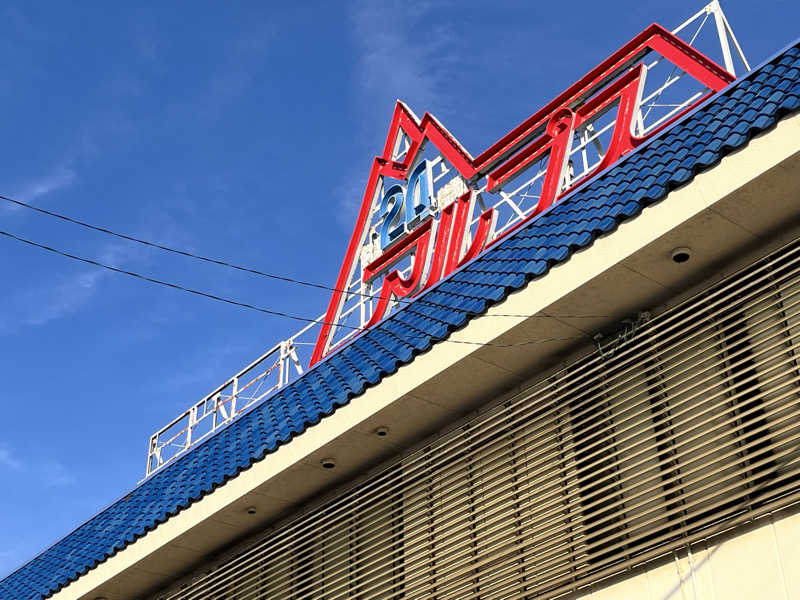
(430, 206)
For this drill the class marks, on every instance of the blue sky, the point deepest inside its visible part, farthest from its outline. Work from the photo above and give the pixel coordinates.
(244, 133)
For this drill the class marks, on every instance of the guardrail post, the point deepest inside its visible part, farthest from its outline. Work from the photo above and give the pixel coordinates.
(151, 451)
(282, 365)
(190, 427)
(234, 396)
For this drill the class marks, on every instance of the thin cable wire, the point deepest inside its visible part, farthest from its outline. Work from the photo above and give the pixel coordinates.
(253, 271)
(268, 311)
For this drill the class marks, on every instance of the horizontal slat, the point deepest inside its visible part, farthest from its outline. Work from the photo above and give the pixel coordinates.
(691, 425)
(501, 474)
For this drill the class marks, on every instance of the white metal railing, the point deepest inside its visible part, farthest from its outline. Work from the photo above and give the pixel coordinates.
(271, 371)
(589, 142)
(267, 374)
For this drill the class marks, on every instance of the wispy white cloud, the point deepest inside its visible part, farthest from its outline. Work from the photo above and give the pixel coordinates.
(394, 61)
(86, 145)
(145, 38)
(350, 194)
(50, 473)
(393, 64)
(54, 474)
(232, 76)
(50, 302)
(7, 554)
(55, 299)
(9, 461)
(206, 366)
(59, 178)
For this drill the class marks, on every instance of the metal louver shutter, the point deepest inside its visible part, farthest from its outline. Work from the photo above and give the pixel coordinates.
(687, 427)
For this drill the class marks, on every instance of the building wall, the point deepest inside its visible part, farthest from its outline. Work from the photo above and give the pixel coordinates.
(674, 431)
(759, 563)
(753, 188)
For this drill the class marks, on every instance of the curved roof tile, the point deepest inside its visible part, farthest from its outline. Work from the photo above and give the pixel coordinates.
(722, 124)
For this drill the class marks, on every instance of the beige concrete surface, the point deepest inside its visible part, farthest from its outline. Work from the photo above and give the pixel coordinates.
(737, 205)
(761, 564)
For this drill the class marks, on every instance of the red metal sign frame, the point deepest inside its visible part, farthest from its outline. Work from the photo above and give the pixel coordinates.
(614, 79)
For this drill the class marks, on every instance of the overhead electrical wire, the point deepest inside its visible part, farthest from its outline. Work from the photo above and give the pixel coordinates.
(251, 270)
(268, 311)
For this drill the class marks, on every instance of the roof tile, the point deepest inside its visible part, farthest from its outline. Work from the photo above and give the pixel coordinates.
(724, 123)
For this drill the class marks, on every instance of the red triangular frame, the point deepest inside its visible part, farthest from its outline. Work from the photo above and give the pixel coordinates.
(653, 38)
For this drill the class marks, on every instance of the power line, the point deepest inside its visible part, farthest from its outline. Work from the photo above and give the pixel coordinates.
(185, 253)
(276, 313)
(251, 270)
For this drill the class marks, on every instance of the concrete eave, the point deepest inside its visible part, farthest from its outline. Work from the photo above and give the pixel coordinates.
(746, 204)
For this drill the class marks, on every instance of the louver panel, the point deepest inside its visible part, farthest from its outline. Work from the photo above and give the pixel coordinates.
(681, 427)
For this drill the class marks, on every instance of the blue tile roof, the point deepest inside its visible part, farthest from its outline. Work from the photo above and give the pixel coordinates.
(722, 124)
